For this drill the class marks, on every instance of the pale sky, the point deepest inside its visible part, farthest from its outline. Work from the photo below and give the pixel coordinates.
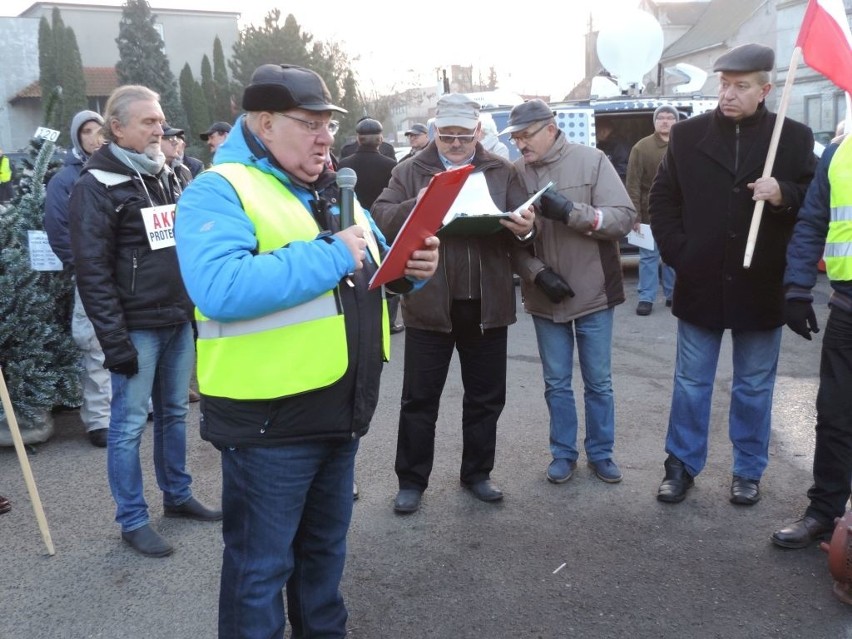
(535, 48)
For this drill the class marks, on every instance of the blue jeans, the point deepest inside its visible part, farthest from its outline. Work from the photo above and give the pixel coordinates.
(165, 366)
(649, 276)
(755, 359)
(286, 514)
(594, 349)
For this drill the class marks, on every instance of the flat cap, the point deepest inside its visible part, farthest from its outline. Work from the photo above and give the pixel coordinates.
(417, 128)
(280, 87)
(368, 126)
(216, 127)
(746, 58)
(527, 113)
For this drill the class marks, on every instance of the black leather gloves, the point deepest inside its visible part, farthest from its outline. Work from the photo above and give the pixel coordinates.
(555, 206)
(800, 317)
(128, 368)
(552, 284)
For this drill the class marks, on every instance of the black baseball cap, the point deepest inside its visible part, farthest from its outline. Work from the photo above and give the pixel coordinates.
(170, 131)
(216, 127)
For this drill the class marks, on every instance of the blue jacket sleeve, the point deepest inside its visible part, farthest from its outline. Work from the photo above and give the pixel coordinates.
(223, 273)
(808, 242)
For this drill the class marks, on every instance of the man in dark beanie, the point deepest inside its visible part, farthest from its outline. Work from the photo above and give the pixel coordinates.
(290, 349)
(701, 204)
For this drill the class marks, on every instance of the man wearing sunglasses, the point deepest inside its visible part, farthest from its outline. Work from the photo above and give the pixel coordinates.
(467, 307)
(582, 218)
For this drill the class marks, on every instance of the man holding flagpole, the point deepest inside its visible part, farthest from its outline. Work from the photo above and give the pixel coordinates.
(701, 205)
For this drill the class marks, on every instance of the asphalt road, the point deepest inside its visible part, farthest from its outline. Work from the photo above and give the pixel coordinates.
(580, 559)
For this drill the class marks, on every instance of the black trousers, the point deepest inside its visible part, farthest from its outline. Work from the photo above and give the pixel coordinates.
(833, 453)
(482, 356)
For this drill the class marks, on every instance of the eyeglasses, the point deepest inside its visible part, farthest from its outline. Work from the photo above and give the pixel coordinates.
(171, 140)
(514, 139)
(314, 126)
(462, 139)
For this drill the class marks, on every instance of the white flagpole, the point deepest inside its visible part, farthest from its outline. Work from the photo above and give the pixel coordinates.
(770, 156)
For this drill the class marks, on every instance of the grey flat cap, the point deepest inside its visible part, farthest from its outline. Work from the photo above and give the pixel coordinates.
(527, 113)
(368, 126)
(746, 58)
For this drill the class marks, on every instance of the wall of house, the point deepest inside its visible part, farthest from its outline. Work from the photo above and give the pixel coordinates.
(188, 35)
(19, 69)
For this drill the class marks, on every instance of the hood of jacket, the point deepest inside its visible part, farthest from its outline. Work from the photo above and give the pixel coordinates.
(77, 123)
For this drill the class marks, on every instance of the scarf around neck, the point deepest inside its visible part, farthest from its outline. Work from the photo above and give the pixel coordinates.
(138, 162)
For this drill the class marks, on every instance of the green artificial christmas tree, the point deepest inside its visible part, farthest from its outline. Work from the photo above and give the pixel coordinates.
(39, 359)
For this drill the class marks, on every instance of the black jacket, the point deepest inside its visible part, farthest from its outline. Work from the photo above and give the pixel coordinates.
(374, 172)
(701, 210)
(123, 284)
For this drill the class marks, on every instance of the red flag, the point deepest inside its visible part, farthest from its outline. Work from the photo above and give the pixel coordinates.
(826, 42)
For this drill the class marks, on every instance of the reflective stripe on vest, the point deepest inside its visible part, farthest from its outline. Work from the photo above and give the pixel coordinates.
(285, 353)
(838, 241)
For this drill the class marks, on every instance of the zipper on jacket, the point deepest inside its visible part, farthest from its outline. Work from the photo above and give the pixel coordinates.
(737, 149)
(469, 278)
(133, 273)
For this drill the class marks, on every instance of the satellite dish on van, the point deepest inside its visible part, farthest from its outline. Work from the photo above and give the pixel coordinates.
(630, 45)
(693, 77)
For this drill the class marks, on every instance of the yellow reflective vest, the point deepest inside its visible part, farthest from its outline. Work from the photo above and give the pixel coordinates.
(292, 351)
(838, 242)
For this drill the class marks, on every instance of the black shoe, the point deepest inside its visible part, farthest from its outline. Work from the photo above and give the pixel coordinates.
(98, 437)
(407, 501)
(745, 492)
(676, 482)
(644, 308)
(802, 533)
(668, 303)
(396, 328)
(484, 490)
(193, 509)
(148, 542)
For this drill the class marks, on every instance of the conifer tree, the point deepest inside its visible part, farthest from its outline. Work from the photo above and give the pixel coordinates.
(208, 87)
(142, 59)
(63, 85)
(73, 82)
(39, 360)
(194, 104)
(221, 111)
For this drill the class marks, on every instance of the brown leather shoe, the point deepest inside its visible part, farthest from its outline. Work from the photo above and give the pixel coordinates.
(676, 482)
(802, 533)
(193, 396)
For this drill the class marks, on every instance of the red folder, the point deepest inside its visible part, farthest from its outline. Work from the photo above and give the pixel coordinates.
(424, 221)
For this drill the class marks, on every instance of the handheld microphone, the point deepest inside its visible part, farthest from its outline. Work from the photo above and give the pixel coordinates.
(346, 179)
